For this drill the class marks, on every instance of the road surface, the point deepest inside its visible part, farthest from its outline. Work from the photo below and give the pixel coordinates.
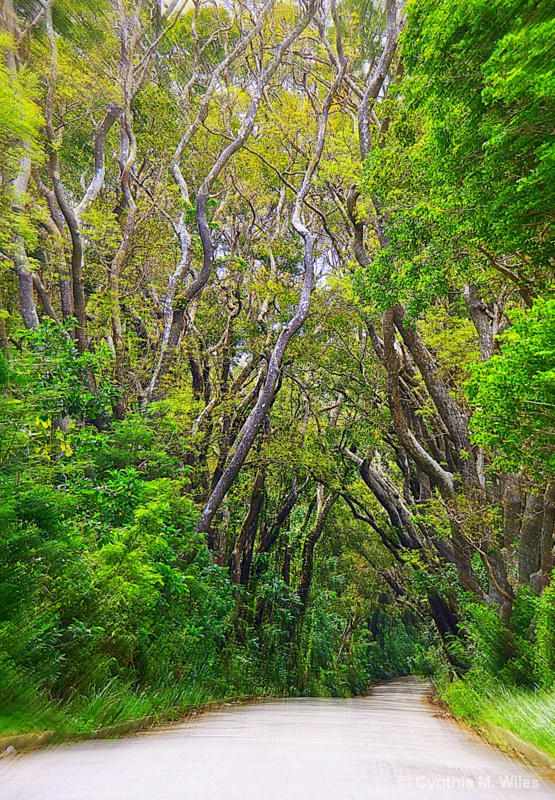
(391, 744)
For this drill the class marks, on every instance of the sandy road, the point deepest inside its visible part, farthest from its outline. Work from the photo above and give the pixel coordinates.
(388, 745)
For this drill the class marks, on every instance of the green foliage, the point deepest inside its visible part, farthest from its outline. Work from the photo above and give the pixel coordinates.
(90, 594)
(20, 123)
(510, 683)
(502, 655)
(463, 701)
(490, 132)
(545, 635)
(464, 178)
(529, 715)
(513, 394)
(463, 184)
(111, 605)
(98, 621)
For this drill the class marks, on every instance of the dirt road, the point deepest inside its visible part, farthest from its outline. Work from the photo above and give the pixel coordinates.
(388, 745)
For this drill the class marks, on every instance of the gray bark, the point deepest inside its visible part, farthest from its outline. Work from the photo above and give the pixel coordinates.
(480, 319)
(268, 537)
(175, 318)
(72, 216)
(529, 550)
(513, 507)
(377, 78)
(258, 414)
(455, 420)
(439, 476)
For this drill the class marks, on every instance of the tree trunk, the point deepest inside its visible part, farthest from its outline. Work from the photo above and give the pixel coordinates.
(26, 297)
(453, 418)
(242, 552)
(447, 625)
(530, 544)
(324, 507)
(479, 317)
(512, 499)
(439, 476)
(175, 317)
(266, 397)
(547, 534)
(66, 296)
(269, 537)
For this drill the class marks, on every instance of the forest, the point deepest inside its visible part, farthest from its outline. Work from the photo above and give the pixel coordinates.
(277, 355)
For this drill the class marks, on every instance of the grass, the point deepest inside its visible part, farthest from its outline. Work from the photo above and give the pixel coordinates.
(530, 715)
(114, 704)
(29, 719)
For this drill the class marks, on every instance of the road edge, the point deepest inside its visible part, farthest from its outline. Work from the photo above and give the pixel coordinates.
(11, 744)
(500, 737)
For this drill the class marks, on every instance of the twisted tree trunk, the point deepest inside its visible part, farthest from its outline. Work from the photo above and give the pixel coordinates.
(258, 414)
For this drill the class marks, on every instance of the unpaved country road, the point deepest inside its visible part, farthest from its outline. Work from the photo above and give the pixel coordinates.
(388, 745)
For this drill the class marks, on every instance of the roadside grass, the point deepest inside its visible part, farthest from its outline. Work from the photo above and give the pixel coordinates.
(28, 720)
(117, 703)
(114, 704)
(530, 715)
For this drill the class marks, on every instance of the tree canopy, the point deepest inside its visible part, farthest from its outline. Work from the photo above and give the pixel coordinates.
(276, 359)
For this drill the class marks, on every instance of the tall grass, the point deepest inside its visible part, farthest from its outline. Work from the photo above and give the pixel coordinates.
(529, 715)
